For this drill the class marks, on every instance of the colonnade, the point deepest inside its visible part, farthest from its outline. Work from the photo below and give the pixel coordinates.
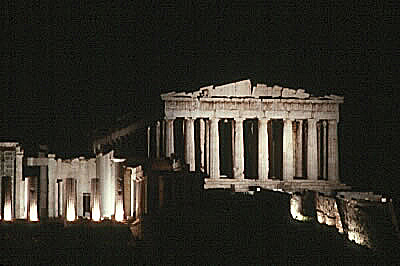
(312, 140)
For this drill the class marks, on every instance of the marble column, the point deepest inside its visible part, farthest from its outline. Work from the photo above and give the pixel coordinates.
(148, 141)
(263, 160)
(127, 191)
(319, 148)
(56, 199)
(333, 154)
(158, 130)
(202, 138)
(1, 191)
(238, 161)
(312, 156)
(324, 151)
(95, 199)
(7, 194)
(190, 156)
(19, 186)
(71, 210)
(119, 191)
(299, 149)
(288, 156)
(62, 198)
(52, 169)
(207, 137)
(43, 212)
(113, 181)
(169, 140)
(162, 150)
(214, 148)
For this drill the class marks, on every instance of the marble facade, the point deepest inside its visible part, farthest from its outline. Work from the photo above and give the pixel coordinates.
(309, 154)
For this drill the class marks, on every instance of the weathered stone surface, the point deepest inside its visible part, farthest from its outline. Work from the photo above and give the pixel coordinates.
(288, 93)
(262, 90)
(236, 89)
(327, 212)
(276, 91)
(335, 97)
(300, 93)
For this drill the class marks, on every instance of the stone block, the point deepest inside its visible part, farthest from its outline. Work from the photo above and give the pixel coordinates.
(237, 89)
(276, 91)
(262, 90)
(288, 93)
(301, 94)
(243, 88)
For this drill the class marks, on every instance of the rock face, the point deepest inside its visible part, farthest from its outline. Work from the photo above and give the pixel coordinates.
(366, 222)
(327, 212)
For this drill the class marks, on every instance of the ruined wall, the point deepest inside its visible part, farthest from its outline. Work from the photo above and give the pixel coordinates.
(327, 211)
(367, 223)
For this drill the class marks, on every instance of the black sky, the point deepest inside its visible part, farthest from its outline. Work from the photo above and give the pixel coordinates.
(71, 68)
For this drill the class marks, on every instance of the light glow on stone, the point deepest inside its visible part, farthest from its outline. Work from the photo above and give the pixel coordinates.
(7, 211)
(33, 213)
(119, 212)
(354, 236)
(296, 214)
(70, 210)
(96, 210)
(320, 218)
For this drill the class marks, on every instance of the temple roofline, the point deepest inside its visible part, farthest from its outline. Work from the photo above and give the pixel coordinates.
(244, 89)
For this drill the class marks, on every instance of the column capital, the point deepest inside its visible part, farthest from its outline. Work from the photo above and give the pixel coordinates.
(214, 119)
(239, 119)
(263, 119)
(332, 122)
(169, 118)
(324, 123)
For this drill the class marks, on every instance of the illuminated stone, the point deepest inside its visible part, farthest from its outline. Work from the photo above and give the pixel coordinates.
(240, 100)
(288, 149)
(263, 165)
(70, 197)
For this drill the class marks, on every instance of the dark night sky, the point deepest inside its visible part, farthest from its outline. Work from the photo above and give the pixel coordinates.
(73, 68)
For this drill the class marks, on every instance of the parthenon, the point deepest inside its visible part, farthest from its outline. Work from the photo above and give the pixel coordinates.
(236, 136)
(288, 135)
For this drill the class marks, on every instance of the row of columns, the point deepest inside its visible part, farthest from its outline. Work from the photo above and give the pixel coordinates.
(292, 148)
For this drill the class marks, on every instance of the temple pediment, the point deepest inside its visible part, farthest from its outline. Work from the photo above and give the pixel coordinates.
(244, 89)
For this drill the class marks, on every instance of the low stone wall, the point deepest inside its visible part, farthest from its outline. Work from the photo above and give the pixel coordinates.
(367, 223)
(327, 211)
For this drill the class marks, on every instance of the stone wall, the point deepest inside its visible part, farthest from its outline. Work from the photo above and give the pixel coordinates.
(327, 211)
(366, 222)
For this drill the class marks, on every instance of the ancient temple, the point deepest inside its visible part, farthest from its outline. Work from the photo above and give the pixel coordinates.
(237, 136)
(243, 136)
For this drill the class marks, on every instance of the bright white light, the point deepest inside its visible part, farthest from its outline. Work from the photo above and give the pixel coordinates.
(354, 236)
(33, 214)
(119, 212)
(118, 160)
(320, 217)
(96, 210)
(258, 189)
(294, 211)
(383, 199)
(7, 211)
(70, 211)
